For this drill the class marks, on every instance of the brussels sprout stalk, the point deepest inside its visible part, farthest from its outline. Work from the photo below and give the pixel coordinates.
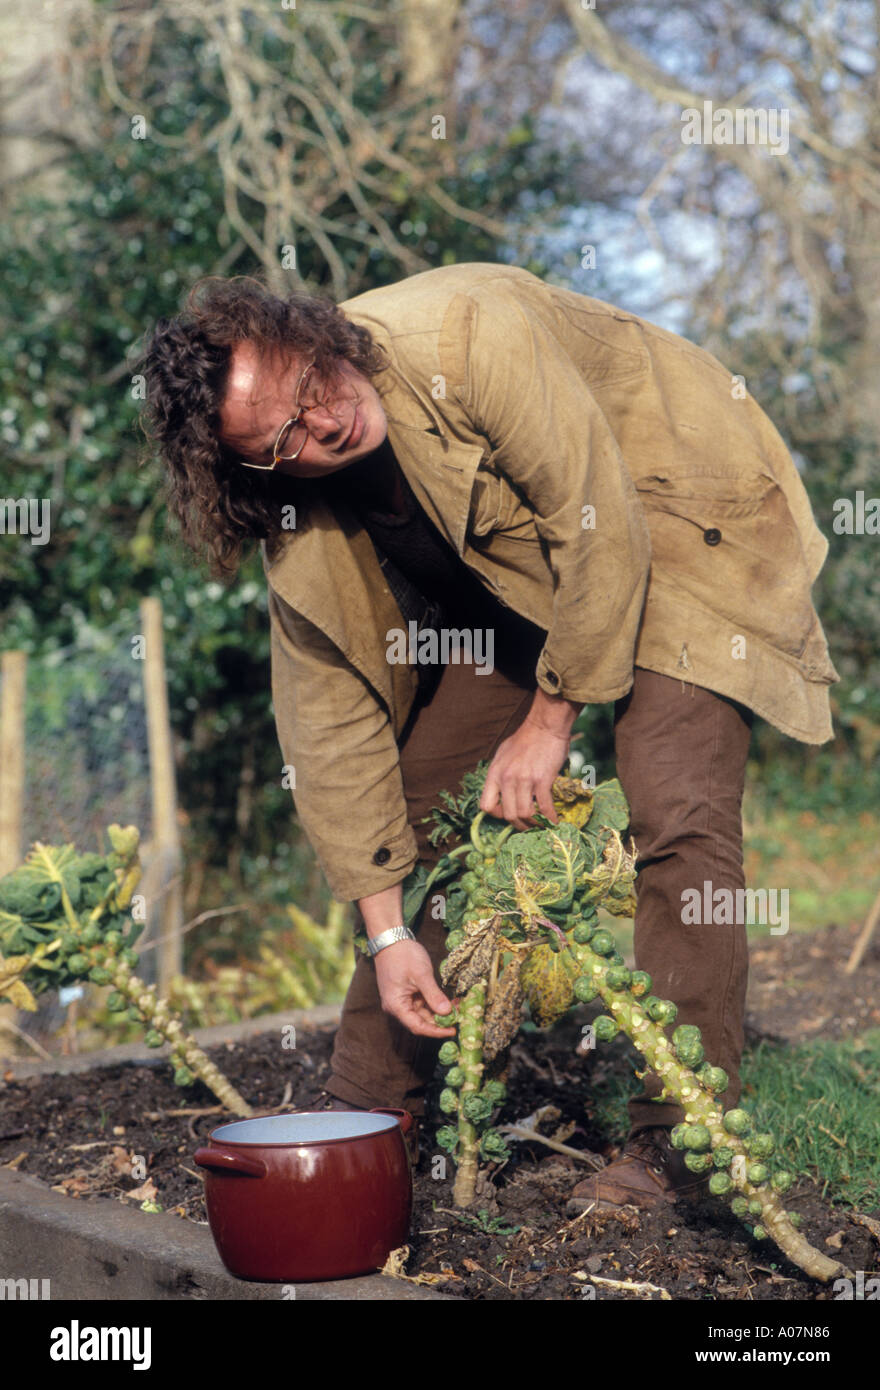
(470, 1034)
(504, 947)
(159, 1015)
(701, 1107)
(86, 927)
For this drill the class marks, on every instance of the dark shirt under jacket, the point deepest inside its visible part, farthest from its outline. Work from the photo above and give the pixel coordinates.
(430, 582)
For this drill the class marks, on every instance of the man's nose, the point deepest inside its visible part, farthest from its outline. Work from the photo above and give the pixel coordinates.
(323, 424)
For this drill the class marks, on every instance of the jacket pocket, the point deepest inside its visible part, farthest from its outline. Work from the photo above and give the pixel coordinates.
(727, 539)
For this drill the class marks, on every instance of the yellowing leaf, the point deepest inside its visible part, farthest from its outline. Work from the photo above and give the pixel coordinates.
(547, 978)
(12, 987)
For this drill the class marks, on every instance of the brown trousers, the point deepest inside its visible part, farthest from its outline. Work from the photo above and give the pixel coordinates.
(681, 754)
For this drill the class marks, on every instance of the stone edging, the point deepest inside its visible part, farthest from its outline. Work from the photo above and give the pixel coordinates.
(100, 1250)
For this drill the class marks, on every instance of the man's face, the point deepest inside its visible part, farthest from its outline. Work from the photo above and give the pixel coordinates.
(349, 424)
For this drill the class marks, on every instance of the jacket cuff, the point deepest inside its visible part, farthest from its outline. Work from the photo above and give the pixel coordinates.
(388, 862)
(553, 682)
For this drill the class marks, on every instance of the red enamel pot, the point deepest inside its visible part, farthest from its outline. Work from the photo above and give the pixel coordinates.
(295, 1198)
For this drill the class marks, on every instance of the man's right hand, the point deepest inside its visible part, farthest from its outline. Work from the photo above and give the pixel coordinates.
(409, 991)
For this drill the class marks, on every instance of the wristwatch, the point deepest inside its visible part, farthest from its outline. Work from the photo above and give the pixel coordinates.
(388, 938)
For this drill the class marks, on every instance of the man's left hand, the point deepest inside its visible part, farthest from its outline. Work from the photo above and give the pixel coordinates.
(525, 765)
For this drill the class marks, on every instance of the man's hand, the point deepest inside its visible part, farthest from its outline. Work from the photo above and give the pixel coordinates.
(523, 769)
(409, 991)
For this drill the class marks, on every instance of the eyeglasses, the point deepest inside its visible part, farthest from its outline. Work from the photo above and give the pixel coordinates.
(293, 431)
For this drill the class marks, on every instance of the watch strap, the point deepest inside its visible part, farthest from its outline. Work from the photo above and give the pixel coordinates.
(388, 938)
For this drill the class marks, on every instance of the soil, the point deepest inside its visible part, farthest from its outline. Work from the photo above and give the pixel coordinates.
(82, 1133)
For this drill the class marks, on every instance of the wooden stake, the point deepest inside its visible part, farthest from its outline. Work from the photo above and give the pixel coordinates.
(13, 668)
(865, 935)
(165, 837)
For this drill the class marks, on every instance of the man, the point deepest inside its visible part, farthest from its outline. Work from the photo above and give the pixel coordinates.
(593, 498)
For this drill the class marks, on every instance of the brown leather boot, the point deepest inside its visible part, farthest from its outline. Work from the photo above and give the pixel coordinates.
(648, 1172)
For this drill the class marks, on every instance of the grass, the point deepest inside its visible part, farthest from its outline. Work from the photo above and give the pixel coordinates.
(827, 861)
(818, 1100)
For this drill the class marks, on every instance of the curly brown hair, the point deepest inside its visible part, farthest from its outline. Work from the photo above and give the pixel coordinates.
(218, 504)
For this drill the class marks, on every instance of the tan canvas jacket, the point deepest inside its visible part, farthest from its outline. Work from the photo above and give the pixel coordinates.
(603, 479)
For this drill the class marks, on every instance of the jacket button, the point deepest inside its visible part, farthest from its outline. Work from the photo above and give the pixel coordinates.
(712, 536)
(552, 677)
(382, 855)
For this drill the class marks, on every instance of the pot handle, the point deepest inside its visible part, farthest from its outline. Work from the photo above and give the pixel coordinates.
(403, 1117)
(223, 1161)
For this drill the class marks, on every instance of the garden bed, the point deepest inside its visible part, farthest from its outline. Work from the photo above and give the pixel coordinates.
(77, 1132)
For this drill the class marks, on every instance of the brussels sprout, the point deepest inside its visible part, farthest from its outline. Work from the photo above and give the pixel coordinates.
(640, 984)
(448, 1101)
(759, 1233)
(617, 977)
(697, 1162)
(494, 1147)
(78, 963)
(687, 1044)
(755, 1207)
(153, 1039)
(455, 1077)
(605, 1028)
(100, 975)
(676, 1136)
(715, 1079)
(113, 939)
(447, 1137)
(473, 860)
(736, 1122)
(781, 1180)
(697, 1138)
(90, 935)
(739, 1206)
(661, 1011)
(448, 1053)
(722, 1157)
(555, 944)
(442, 1020)
(602, 942)
(757, 1173)
(134, 1014)
(130, 957)
(760, 1145)
(454, 940)
(183, 1077)
(495, 1090)
(469, 882)
(476, 1107)
(584, 989)
(720, 1184)
(795, 1218)
(116, 1002)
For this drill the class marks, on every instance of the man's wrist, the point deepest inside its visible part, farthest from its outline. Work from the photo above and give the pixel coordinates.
(553, 713)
